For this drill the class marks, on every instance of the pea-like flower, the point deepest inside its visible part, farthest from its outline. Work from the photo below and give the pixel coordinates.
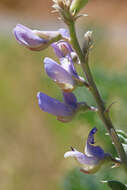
(63, 74)
(93, 157)
(65, 110)
(63, 49)
(37, 40)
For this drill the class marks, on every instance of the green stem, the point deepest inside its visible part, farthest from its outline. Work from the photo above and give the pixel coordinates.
(104, 115)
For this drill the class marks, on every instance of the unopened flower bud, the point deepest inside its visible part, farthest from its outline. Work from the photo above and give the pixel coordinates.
(77, 5)
(75, 58)
(61, 3)
(87, 40)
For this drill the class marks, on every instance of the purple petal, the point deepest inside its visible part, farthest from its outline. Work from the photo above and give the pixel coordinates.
(64, 32)
(26, 37)
(92, 150)
(70, 99)
(57, 50)
(62, 48)
(53, 106)
(82, 158)
(59, 74)
(68, 65)
(91, 136)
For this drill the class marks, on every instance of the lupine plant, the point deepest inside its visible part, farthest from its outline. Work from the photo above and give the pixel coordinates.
(69, 53)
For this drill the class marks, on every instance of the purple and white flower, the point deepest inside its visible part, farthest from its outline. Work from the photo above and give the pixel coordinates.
(65, 110)
(93, 157)
(63, 74)
(63, 49)
(37, 40)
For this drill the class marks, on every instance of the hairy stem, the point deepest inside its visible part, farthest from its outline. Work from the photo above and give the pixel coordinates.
(104, 115)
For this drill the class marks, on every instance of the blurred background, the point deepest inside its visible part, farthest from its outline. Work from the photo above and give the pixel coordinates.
(32, 143)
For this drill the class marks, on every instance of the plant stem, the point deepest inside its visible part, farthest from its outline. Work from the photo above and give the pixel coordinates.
(104, 115)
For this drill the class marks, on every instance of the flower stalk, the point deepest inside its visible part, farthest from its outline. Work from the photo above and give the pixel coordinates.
(104, 116)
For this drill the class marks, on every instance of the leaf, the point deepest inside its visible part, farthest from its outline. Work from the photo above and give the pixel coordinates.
(123, 136)
(116, 185)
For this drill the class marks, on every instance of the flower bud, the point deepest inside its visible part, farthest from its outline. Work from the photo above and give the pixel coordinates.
(87, 40)
(77, 5)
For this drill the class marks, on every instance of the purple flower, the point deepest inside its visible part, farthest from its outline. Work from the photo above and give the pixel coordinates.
(93, 156)
(63, 49)
(65, 110)
(60, 75)
(37, 40)
(63, 74)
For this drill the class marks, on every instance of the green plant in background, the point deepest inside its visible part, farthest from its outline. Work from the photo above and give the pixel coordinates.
(69, 53)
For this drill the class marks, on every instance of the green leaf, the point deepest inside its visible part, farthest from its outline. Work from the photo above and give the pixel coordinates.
(125, 147)
(116, 185)
(123, 136)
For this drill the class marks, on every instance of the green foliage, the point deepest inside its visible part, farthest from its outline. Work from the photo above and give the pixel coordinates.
(76, 180)
(116, 185)
(123, 136)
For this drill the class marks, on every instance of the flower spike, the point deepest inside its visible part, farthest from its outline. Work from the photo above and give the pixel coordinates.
(93, 157)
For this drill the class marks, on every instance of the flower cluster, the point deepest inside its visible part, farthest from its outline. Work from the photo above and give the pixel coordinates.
(63, 74)
(66, 77)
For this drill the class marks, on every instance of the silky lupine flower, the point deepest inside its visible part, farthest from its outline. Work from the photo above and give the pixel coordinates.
(65, 110)
(64, 74)
(37, 40)
(63, 49)
(93, 157)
